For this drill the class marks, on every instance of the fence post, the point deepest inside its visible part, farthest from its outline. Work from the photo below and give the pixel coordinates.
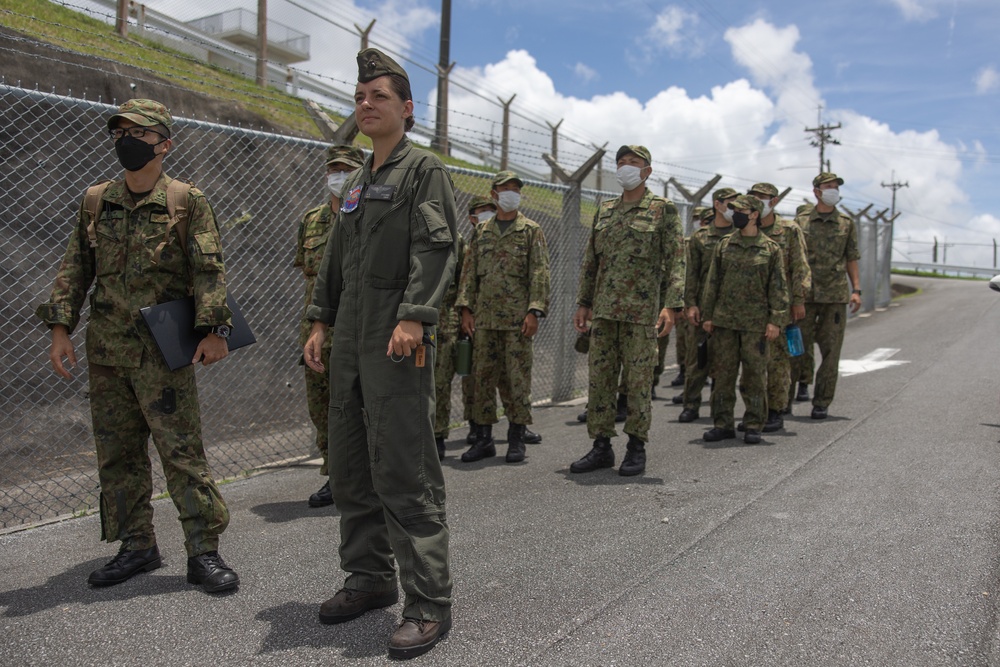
(364, 32)
(693, 199)
(555, 145)
(331, 132)
(565, 271)
(864, 245)
(504, 149)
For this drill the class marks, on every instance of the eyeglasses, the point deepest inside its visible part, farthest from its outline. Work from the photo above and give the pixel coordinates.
(134, 132)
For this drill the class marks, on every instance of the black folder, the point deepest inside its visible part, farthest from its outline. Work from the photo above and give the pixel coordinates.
(172, 326)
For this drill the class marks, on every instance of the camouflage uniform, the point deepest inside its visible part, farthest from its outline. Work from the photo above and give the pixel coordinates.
(701, 249)
(504, 276)
(798, 279)
(130, 385)
(745, 292)
(314, 231)
(449, 328)
(633, 267)
(831, 241)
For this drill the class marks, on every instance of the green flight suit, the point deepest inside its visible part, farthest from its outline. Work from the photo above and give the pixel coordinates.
(389, 258)
(133, 394)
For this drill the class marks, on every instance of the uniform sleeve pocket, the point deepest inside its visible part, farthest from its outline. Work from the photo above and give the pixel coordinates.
(438, 232)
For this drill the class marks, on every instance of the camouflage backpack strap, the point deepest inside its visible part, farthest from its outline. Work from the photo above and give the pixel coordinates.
(92, 205)
(177, 209)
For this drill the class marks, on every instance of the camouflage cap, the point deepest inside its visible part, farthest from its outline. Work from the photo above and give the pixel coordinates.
(505, 177)
(145, 113)
(372, 64)
(765, 189)
(802, 208)
(639, 151)
(827, 177)
(349, 155)
(699, 211)
(707, 214)
(724, 193)
(480, 201)
(747, 201)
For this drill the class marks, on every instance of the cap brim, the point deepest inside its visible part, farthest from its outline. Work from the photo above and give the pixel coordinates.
(519, 182)
(138, 119)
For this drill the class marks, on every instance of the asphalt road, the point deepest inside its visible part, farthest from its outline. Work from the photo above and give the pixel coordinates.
(866, 539)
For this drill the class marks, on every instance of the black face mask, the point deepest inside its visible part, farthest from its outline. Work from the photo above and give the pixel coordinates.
(134, 154)
(740, 219)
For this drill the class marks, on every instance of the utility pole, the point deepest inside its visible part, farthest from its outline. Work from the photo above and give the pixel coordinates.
(262, 43)
(440, 142)
(823, 137)
(895, 186)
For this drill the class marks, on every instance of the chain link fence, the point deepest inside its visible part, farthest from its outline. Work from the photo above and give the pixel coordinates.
(259, 184)
(253, 404)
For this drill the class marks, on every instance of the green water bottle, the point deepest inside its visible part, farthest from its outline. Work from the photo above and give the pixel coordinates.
(463, 355)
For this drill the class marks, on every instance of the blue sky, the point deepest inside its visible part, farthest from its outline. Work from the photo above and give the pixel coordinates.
(715, 86)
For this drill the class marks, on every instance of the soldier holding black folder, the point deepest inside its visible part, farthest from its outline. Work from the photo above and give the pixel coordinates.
(128, 245)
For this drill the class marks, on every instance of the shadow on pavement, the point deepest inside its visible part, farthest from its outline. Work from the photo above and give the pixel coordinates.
(607, 477)
(291, 510)
(295, 624)
(71, 587)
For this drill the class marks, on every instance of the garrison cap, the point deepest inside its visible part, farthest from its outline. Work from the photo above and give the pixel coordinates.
(349, 155)
(372, 64)
(639, 151)
(827, 177)
(145, 113)
(763, 189)
(480, 201)
(505, 177)
(747, 201)
(724, 193)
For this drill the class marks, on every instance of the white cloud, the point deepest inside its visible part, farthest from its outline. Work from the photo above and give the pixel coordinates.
(672, 32)
(405, 18)
(987, 80)
(748, 129)
(916, 10)
(585, 74)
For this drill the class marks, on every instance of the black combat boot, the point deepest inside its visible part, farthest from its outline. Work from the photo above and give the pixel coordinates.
(530, 437)
(323, 497)
(439, 441)
(775, 422)
(803, 393)
(634, 462)
(582, 417)
(679, 380)
(600, 456)
(622, 409)
(473, 430)
(483, 448)
(515, 443)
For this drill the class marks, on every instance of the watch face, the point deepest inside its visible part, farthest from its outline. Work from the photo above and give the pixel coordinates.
(222, 331)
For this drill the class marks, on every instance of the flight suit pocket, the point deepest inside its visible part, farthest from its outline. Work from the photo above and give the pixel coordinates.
(397, 444)
(435, 224)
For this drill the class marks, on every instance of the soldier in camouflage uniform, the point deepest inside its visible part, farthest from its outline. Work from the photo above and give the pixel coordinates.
(832, 246)
(503, 294)
(745, 305)
(700, 249)
(806, 363)
(135, 259)
(686, 332)
(798, 279)
(631, 281)
(310, 243)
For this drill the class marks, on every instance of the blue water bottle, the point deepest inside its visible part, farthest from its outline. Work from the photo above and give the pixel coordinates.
(793, 336)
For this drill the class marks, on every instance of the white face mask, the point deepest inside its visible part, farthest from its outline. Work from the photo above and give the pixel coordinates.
(335, 182)
(728, 215)
(629, 176)
(767, 208)
(485, 216)
(509, 200)
(830, 197)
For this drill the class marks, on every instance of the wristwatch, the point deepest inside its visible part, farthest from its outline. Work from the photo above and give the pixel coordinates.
(222, 331)
(537, 313)
(857, 291)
